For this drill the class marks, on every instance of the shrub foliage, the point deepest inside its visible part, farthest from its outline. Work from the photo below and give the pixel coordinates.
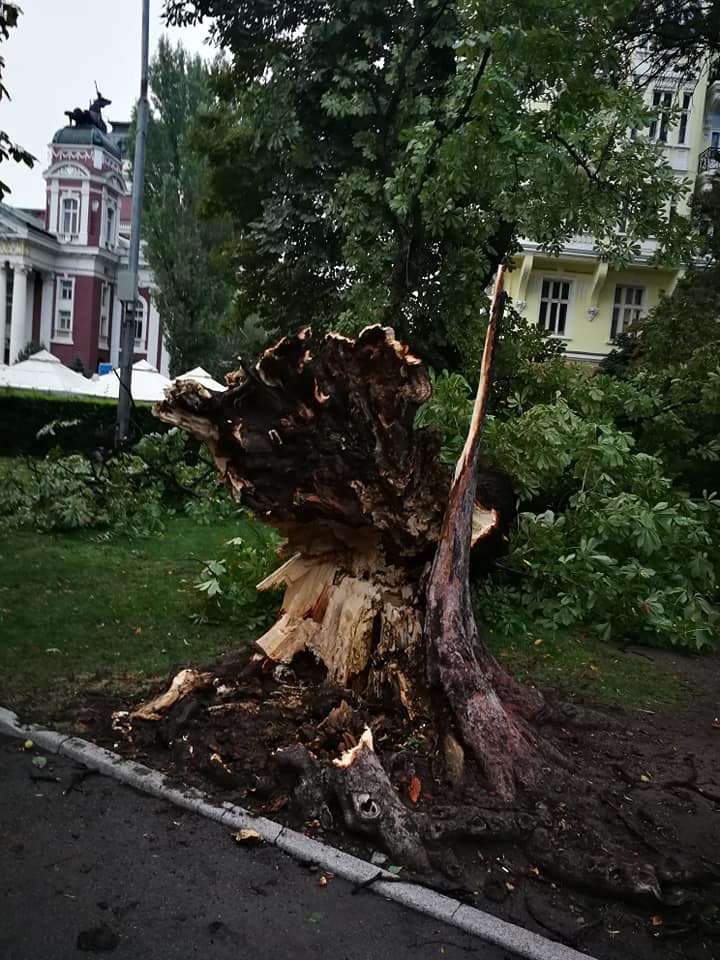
(618, 524)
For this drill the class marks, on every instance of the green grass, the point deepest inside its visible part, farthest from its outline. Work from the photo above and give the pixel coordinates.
(583, 667)
(78, 612)
(75, 609)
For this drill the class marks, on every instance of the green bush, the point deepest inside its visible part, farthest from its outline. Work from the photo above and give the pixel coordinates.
(623, 552)
(33, 424)
(615, 532)
(77, 493)
(127, 492)
(227, 584)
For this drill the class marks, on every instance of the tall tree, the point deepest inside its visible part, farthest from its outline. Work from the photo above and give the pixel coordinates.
(673, 35)
(689, 318)
(381, 159)
(192, 291)
(9, 14)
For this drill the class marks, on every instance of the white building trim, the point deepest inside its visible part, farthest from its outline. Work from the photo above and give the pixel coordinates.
(46, 308)
(18, 316)
(3, 309)
(153, 333)
(115, 329)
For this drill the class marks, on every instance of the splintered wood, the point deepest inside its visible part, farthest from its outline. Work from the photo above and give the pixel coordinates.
(324, 611)
(184, 683)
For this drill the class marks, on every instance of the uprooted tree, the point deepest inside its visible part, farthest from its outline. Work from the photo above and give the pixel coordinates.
(319, 441)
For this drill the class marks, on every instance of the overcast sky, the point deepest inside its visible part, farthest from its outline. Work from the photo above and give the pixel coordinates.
(52, 60)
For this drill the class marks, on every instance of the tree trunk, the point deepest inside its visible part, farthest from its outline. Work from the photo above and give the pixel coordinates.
(318, 439)
(458, 661)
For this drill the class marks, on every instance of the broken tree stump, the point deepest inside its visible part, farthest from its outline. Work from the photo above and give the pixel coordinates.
(319, 440)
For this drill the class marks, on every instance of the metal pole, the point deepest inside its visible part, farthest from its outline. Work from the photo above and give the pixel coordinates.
(130, 285)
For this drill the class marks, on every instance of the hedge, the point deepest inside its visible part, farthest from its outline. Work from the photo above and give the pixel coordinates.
(23, 414)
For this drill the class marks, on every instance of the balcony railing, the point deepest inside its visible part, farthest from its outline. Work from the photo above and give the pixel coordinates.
(709, 160)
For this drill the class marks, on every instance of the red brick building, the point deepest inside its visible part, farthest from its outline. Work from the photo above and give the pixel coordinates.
(59, 265)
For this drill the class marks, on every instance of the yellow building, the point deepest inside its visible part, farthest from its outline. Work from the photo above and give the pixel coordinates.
(580, 299)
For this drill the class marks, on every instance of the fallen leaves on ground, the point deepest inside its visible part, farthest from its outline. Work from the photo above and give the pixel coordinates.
(246, 836)
(414, 789)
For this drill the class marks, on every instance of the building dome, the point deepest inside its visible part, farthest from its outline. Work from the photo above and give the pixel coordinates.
(87, 136)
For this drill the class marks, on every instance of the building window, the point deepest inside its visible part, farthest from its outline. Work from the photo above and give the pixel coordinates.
(627, 308)
(662, 100)
(684, 114)
(70, 217)
(110, 227)
(554, 302)
(105, 315)
(62, 329)
(140, 323)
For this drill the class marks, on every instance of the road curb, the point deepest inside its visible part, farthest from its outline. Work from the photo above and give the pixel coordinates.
(493, 930)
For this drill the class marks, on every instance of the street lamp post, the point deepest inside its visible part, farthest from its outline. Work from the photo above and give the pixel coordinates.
(128, 279)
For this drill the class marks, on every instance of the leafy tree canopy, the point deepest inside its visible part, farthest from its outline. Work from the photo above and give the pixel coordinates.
(689, 319)
(192, 291)
(9, 15)
(380, 159)
(680, 34)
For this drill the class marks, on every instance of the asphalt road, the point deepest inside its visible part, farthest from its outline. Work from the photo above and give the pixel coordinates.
(106, 870)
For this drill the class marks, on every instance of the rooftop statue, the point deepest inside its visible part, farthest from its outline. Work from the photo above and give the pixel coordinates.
(92, 117)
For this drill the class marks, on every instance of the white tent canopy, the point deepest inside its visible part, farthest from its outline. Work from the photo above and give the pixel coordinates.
(43, 371)
(147, 384)
(203, 377)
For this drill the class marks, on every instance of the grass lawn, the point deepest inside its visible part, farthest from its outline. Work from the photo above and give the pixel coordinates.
(76, 610)
(584, 667)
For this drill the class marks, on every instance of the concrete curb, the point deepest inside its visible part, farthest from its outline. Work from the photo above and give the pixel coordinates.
(499, 932)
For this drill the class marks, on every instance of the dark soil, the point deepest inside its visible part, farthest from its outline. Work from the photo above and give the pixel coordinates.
(575, 866)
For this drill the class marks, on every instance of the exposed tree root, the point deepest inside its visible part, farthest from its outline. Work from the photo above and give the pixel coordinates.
(336, 779)
(360, 786)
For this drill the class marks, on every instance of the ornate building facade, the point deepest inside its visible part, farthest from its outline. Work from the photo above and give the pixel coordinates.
(59, 264)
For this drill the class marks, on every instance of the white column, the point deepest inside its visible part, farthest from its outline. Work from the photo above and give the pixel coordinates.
(54, 207)
(46, 309)
(103, 218)
(29, 308)
(164, 367)
(84, 211)
(18, 316)
(115, 329)
(153, 330)
(3, 309)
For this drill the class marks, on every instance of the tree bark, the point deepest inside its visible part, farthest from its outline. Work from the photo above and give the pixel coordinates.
(458, 661)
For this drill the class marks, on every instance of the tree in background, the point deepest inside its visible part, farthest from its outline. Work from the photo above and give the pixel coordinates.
(193, 293)
(380, 159)
(678, 33)
(9, 13)
(29, 349)
(690, 318)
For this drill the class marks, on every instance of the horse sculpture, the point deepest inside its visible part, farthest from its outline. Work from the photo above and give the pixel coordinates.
(92, 117)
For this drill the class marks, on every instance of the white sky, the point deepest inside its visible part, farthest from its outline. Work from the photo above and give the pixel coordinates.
(59, 49)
